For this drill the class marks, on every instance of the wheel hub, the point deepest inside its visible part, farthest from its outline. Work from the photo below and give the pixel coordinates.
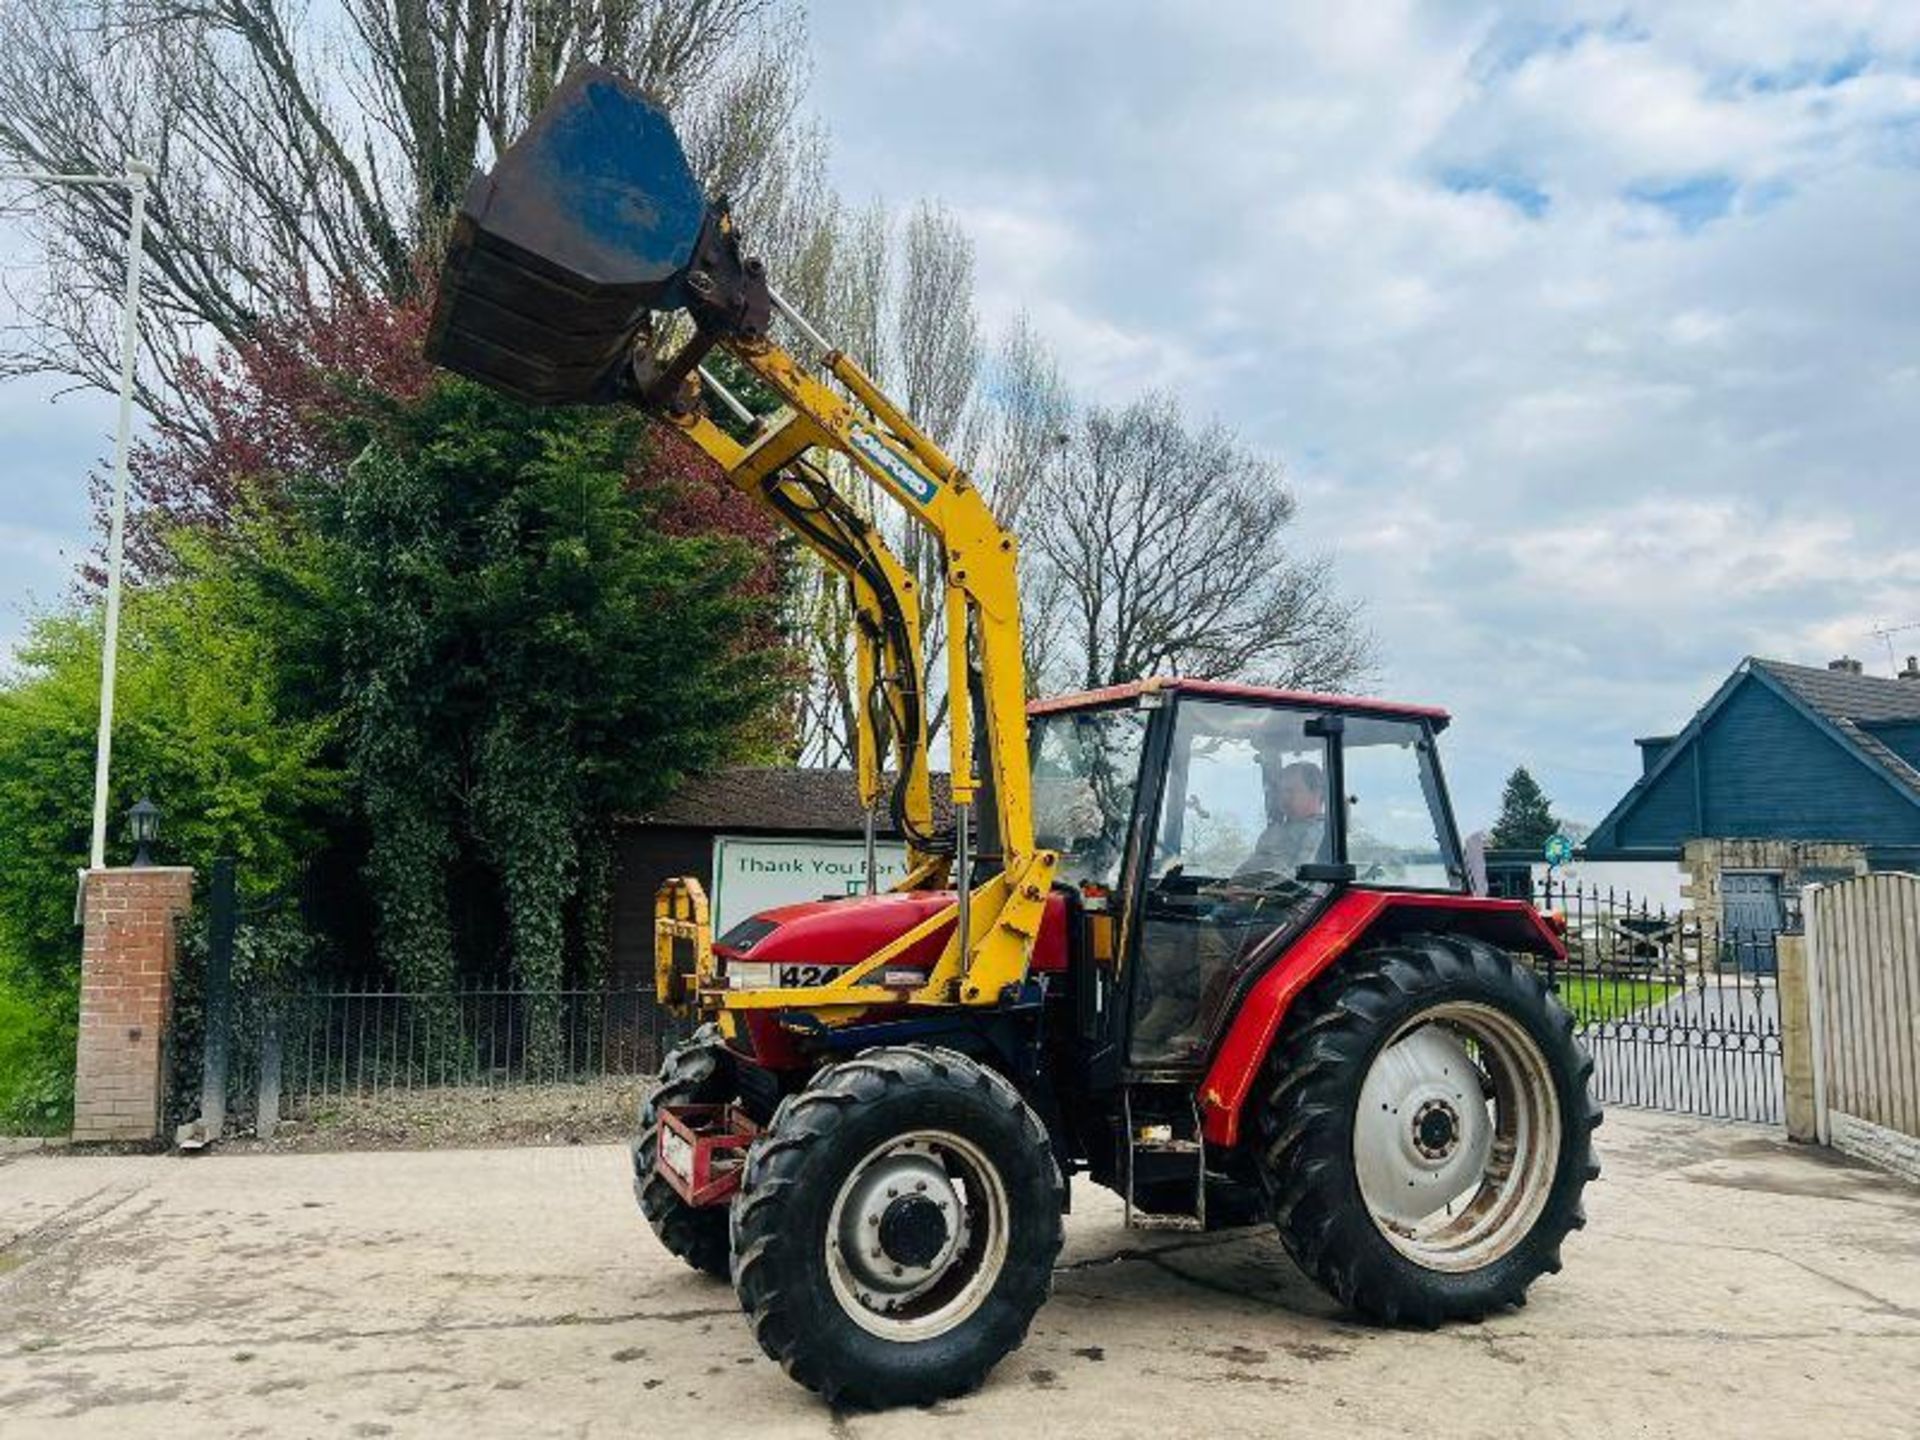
(1422, 1132)
(1436, 1129)
(913, 1231)
(900, 1226)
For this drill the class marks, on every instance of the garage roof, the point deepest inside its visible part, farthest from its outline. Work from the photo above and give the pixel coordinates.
(770, 800)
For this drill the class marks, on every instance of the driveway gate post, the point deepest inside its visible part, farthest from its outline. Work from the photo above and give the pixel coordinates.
(1797, 1058)
(217, 1022)
(131, 918)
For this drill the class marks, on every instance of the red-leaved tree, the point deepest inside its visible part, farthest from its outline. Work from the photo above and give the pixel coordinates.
(285, 404)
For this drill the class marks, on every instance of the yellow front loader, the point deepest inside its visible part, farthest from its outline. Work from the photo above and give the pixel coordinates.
(546, 293)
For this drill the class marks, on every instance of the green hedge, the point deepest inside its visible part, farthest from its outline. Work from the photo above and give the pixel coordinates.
(36, 1061)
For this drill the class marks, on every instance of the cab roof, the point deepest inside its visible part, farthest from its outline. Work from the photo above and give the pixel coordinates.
(1229, 690)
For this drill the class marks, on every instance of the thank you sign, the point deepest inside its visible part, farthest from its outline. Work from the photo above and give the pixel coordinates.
(752, 875)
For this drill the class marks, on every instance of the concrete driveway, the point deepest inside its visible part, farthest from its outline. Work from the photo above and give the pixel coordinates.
(1729, 1285)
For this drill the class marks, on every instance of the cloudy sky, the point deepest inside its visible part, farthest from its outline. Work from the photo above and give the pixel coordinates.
(1590, 336)
(1591, 344)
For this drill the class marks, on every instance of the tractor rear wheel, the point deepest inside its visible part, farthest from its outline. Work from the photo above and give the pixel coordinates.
(1427, 1131)
(896, 1227)
(698, 1071)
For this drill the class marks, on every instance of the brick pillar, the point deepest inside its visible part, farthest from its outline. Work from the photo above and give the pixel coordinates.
(131, 920)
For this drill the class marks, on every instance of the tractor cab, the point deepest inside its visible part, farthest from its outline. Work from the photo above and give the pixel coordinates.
(1213, 823)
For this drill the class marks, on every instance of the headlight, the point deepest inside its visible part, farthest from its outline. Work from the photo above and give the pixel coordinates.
(745, 975)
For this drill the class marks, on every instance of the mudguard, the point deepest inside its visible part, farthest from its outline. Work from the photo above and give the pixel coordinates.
(1352, 917)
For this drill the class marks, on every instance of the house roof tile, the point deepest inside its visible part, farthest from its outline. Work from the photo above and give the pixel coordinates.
(1853, 703)
(1842, 695)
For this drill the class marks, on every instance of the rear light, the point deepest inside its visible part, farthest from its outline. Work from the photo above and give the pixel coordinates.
(1556, 921)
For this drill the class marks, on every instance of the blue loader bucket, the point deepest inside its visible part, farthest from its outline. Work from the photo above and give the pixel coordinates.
(585, 226)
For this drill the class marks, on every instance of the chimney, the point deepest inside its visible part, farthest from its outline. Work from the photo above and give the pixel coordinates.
(1912, 672)
(1846, 665)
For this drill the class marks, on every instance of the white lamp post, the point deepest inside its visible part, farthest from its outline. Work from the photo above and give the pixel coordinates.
(134, 178)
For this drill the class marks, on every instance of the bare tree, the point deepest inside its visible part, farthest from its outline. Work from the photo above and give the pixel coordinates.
(821, 611)
(847, 294)
(935, 360)
(937, 334)
(898, 297)
(1171, 547)
(1026, 412)
(302, 154)
(1024, 416)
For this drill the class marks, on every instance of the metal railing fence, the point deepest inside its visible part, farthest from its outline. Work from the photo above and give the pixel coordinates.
(1676, 1014)
(336, 1044)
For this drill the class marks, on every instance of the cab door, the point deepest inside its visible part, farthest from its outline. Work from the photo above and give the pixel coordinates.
(1249, 797)
(1087, 769)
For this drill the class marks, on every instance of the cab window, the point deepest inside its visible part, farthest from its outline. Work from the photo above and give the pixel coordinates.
(1086, 765)
(1246, 795)
(1397, 835)
(1245, 806)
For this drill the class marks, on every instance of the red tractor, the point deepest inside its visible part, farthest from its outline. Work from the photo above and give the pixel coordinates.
(1211, 946)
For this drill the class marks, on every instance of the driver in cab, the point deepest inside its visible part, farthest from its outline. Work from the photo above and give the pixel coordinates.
(1296, 833)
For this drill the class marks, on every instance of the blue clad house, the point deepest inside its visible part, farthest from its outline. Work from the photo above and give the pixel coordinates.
(1788, 775)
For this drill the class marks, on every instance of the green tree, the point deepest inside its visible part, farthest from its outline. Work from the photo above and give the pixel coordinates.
(532, 639)
(201, 731)
(1526, 815)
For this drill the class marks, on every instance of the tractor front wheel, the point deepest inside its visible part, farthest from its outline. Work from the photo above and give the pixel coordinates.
(896, 1227)
(1427, 1132)
(698, 1071)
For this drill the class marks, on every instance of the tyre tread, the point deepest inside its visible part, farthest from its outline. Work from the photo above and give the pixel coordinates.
(1304, 1132)
(697, 1071)
(765, 1251)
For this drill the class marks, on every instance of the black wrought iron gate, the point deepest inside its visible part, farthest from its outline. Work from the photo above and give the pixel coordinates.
(1678, 1015)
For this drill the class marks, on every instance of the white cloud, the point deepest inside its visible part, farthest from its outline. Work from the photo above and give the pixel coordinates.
(51, 446)
(1588, 335)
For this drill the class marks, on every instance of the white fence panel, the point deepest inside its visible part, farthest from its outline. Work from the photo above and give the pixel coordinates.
(1863, 970)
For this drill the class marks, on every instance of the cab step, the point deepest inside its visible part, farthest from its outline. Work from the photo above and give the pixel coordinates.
(1165, 1142)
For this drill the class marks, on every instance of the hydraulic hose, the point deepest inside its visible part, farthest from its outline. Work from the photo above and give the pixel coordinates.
(808, 502)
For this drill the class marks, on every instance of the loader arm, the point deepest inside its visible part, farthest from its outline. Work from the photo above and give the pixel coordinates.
(1000, 916)
(562, 265)
(890, 711)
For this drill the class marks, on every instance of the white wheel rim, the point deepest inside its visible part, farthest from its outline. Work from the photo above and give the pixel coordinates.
(911, 1296)
(1456, 1136)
